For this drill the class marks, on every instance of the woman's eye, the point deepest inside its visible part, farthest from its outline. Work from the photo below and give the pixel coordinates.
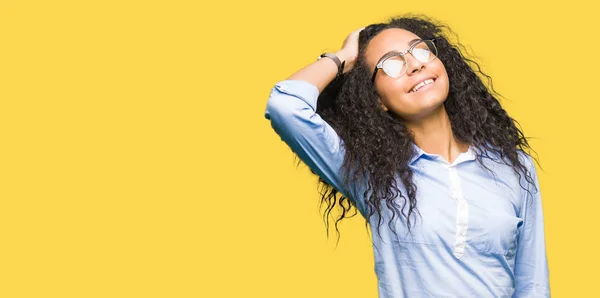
(393, 66)
(421, 54)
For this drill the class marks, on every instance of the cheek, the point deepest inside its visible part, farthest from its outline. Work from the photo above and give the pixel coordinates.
(391, 88)
(394, 97)
(442, 72)
(391, 92)
(444, 81)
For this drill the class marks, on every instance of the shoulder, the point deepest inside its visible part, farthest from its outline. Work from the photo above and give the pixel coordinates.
(505, 168)
(526, 159)
(529, 179)
(493, 155)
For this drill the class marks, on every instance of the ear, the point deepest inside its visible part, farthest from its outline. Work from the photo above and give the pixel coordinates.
(382, 105)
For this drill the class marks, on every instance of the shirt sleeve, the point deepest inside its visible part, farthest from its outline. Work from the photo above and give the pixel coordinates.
(531, 264)
(291, 109)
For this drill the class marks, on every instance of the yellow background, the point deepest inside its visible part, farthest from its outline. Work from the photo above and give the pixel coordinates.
(136, 160)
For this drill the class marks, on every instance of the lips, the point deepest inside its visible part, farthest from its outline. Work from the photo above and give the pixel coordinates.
(419, 82)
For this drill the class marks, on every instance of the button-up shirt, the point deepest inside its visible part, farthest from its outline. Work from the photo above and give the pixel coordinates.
(479, 233)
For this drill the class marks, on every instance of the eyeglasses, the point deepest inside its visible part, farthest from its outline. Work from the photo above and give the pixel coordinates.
(394, 64)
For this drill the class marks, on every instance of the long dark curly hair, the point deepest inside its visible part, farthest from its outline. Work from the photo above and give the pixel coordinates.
(376, 156)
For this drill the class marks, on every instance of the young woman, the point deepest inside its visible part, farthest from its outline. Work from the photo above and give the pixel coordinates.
(398, 125)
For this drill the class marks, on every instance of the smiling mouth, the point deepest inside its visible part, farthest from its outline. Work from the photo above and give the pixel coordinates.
(422, 87)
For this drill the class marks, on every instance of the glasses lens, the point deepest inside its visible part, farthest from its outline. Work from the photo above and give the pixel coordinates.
(424, 51)
(394, 66)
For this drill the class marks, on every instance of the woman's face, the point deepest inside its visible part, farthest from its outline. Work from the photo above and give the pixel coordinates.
(395, 94)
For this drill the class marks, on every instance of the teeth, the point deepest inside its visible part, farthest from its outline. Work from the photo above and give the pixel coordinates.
(426, 82)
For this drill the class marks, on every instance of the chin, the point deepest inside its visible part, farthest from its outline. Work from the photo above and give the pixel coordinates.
(431, 98)
(412, 110)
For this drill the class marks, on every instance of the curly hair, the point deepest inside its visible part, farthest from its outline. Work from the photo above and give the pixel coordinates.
(377, 143)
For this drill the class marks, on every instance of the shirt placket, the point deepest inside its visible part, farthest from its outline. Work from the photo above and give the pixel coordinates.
(462, 213)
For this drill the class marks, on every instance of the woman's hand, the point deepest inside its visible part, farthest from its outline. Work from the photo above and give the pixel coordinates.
(321, 73)
(349, 50)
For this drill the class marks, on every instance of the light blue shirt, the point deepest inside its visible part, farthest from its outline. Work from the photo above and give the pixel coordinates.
(479, 235)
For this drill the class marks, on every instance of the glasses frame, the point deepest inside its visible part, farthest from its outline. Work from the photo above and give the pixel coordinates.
(403, 55)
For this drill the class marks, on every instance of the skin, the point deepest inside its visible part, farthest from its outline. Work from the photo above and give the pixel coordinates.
(423, 111)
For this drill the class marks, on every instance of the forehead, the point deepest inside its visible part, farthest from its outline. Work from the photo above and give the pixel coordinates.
(392, 39)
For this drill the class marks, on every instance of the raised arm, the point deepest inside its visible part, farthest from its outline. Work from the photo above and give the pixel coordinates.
(292, 107)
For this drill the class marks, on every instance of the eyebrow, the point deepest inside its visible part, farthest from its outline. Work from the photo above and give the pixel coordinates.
(410, 43)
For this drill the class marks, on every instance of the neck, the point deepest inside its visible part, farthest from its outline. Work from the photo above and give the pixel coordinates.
(434, 135)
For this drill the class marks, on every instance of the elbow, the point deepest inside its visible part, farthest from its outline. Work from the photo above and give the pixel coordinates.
(277, 108)
(282, 106)
(288, 107)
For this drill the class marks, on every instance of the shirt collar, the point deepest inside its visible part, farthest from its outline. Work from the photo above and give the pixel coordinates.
(464, 156)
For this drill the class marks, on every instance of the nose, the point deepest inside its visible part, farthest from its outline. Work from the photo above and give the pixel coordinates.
(413, 64)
